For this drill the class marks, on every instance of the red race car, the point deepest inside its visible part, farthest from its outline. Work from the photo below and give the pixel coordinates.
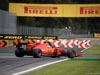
(37, 49)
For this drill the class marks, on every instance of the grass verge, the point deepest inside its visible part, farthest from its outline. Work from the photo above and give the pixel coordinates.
(75, 67)
(94, 50)
(10, 42)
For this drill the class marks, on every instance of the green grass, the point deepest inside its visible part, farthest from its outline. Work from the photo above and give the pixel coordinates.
(10, 42)
(94, 50)
(69, 68)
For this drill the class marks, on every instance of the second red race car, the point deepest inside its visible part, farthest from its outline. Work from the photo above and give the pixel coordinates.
(37, 50)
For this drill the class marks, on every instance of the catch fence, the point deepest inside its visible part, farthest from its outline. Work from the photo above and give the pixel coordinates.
(7, 22)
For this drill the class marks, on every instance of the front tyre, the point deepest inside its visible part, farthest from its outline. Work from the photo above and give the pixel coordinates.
(37, 53)
(19, 53)
(71, 53)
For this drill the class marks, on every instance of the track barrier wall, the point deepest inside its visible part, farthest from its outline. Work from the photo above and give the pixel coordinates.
(12, 37)
(3, 43)
(16, 41)
(57, 43)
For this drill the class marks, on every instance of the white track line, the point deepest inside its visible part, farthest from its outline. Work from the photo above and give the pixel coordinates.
(38, 67)
(85, 49)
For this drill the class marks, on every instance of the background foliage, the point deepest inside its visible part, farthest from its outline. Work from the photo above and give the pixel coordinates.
(86, 23)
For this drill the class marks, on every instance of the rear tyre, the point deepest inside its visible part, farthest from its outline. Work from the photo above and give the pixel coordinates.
(37, 53)
(19, 53)
(71, 53)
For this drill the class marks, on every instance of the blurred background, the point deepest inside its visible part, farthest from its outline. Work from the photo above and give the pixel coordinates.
(53, 26)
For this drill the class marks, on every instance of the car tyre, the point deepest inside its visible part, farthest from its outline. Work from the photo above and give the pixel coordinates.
(19, 53)
(71, 53)
(37, 53)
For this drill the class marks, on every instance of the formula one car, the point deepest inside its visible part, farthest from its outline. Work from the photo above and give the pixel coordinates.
(37, 49)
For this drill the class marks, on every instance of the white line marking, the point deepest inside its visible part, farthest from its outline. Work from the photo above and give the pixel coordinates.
(85, 49)
(38, 67)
